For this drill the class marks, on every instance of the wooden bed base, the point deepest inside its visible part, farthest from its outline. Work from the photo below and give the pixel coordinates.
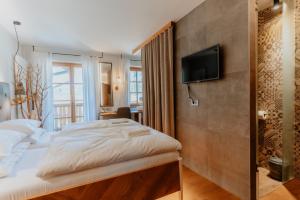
(147, 184)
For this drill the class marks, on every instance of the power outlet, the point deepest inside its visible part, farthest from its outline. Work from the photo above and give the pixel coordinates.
(194, 103)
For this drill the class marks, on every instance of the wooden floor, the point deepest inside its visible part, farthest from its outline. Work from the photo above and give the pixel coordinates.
(288, 191)
(196, 187)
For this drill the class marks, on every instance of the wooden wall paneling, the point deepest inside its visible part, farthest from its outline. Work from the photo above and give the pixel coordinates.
(152, 37)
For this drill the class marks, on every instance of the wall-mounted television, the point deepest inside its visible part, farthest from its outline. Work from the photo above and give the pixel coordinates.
(202, 66)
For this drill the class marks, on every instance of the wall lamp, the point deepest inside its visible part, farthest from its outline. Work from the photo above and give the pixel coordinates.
(277, 4)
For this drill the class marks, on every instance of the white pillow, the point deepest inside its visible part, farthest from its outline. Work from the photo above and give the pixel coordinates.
(31, 122)
(8, 163)
(8, 139)
(21, 125)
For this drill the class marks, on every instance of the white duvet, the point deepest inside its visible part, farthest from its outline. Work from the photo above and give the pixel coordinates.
(7, 163)
(101, 143)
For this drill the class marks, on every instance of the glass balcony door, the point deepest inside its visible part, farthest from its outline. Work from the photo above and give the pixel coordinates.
(67, 94)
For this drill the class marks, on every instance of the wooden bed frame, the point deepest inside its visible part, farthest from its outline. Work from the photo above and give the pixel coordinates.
(146, 184)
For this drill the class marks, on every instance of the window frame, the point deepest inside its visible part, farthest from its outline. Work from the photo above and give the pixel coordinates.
(71, 84)
(135, 69)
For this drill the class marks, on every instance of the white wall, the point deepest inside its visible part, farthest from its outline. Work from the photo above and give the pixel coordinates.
(7, 50)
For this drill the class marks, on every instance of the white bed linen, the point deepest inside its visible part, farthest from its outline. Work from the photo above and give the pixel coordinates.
(8, 163)
(21, 125)
(24, 184)
(8, 139)
(87, 147)
(44, 140)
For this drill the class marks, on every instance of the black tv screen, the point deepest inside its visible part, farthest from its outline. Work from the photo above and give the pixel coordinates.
(202, 66)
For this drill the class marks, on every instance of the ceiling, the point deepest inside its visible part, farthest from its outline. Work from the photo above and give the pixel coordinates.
(112, 26)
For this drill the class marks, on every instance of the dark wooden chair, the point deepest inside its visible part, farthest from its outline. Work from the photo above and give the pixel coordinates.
(123, 112)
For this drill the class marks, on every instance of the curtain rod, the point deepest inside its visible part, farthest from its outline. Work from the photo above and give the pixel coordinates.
(76, 55)
(67, 54)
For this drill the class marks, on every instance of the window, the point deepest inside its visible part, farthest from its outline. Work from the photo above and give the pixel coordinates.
(135, 86)
(67, 94)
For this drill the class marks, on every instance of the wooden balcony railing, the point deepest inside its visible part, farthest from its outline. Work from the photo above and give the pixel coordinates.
(63, 114)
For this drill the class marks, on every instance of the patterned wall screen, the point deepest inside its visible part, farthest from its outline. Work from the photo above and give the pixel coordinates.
(269, 77)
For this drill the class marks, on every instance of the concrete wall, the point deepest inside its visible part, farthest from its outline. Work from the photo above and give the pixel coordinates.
(216, 135)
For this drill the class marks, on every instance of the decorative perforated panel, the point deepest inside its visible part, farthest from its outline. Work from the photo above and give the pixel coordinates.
(269, 77)
(297, 93)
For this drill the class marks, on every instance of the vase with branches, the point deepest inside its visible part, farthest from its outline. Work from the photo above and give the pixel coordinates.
(31, 93)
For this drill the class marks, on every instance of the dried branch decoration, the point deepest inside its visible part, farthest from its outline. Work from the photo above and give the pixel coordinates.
(32, 96)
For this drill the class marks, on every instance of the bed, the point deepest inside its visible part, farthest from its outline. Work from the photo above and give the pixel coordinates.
(148, 177)
(145, 178)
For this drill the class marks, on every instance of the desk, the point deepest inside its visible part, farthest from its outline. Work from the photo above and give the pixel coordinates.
(137, 115)
(107, 115)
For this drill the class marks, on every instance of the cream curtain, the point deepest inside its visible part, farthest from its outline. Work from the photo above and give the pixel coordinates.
(43, 60)
(89, 66)
(157, 64)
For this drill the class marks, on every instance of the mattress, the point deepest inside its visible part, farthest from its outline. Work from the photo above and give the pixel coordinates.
(24, 184)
